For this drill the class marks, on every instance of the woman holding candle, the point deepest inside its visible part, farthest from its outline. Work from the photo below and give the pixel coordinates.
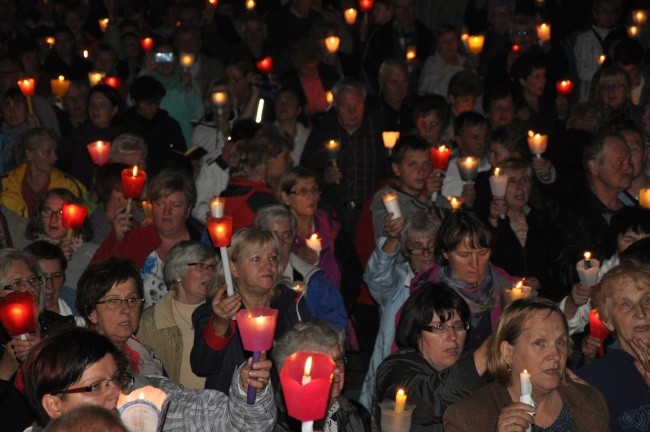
(431, 334)
(530, 347)
(443, 64)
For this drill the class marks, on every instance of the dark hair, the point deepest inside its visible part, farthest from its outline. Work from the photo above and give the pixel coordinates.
(405, 143)
(458, 227)
(108, 178)
(639, 251)
(14, 94)
(424, 104)
(100, 277)
(110, 93)
(35, 225)
(147, 89)
(525, 64)
(86, 418)
(244, 129)
(513, 138)
(628, 52)
(60, 360)
(44, 250)
(496, 94)
(272, 140)
(431, 299)
(465, 82)
(469, 118)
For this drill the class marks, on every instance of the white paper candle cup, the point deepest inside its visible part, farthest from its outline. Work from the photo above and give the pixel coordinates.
(588, 276)
(392, 204)
(392, 421)
(498, 185)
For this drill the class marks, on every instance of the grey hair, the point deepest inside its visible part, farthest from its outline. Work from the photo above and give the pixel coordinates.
(310, 336)
(272, 213)
(182, 254)
(248, 159)
(391, 63)
(30, 140)
(349, 84)
(420, 222)
(8, 257)
(126, 143)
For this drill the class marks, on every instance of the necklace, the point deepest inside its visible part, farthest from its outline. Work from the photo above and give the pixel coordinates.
(174, 302)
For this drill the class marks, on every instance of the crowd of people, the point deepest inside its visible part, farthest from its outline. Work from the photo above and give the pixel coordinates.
(310, 122)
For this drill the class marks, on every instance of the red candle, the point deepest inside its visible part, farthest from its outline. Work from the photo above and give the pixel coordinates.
(146, 44)
(100, 152)
(564, 88)
(516, 48)
(440, 157)
(214, 3)
(73, 215)
(113, 81)
(220, 230)
(301, 383)
(133, 182)
(17, 313)
(597, 329)
(26, 86)
(265, 65)
(366, 5)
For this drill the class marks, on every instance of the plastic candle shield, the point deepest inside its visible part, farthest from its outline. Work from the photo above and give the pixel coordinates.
(265, 65)
(390, 139)
(596, 326)
(220, 230)
(366, 5)
(146, 44)
(468, 168)
(332, 44)
(113, 81)
(133, 180)
(307, 402)
(60, 86)
(17, 313)
(100, 152)
(440, 157)
(74, 215)
(475, 44)
(564, 88)
(350, 16)
(26, 86)
(257, 328)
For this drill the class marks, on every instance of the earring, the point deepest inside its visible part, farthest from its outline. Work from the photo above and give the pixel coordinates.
(509, 367)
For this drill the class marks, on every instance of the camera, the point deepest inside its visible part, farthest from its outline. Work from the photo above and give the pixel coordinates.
(164, 57)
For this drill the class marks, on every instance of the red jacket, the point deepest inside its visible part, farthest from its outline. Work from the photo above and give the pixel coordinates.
(137, 245)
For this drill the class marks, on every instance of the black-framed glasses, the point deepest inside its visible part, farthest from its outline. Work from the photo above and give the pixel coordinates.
(123, 380)
(23, 284)
(443, 328)
(304, 193)
(203, 266)
(116, 303)
(286, 237)
(49, 213)
(419, 250)
(341, 360)
(54, 277)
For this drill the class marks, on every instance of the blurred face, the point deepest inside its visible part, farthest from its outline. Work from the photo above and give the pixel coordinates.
(100, 110)
(54, 280)
(442, 350)
(147, 109)
(500, 17)
(468, 263)
(637, 151)
(63, 45)
(255, 273)
(14, 112)
(278, 165)
(104, 61)
(607, 14)
(187, 42)
(627, 313)
(447, 45)
(462, 103)
(623, 241)
(30, 62)
(74, 102)
(282, 230)
(412, 170)
(429, 127)
(51, 217)
(287, 107)
(497, 153)
(381, 13)
(420, 246)
(239, 83)
(43, 157)
(304, 197)
(541, 349)
(502, 112)
(404, 12)
(614, 167)
(350, 106)
(394, 85)
(472, 140)
(193, 288)
(254, 33)
(534, 83)
(121, 322)
(131, 47)
(170, 213)
(518, 189)
(612, 93)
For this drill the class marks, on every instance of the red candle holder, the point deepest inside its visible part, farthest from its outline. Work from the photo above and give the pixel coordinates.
(564, 88)
(146, 44)
(100, 152)
(265, 65)
(220, 230)
(18, 313)
(133, 180)
(597, 329)
(27, 88)
(440, 157)
(365, 6)
(214, 3)
(73, 216)
(307, 394)
(516, 48)
(113, 81)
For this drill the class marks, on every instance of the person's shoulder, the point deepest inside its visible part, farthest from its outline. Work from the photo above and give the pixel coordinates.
(606, 366)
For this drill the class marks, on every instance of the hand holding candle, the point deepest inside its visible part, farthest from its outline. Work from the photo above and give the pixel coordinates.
(468, 168)
(314, 244)
(537, 143)
(396, 416)
(526, 391)
(220, 231)
(391, 202)
(133, 181)
(588, 270)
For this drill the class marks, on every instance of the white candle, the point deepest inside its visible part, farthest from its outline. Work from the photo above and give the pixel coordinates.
(519, 291)
(217, 205)
(537, 143)
(313, 242)
(306, 377)
(468, 168)
(498, 183)
(455, 202)
(526, 386)
(392, 204)
(390, 138)
(588, 270)
(332, 44)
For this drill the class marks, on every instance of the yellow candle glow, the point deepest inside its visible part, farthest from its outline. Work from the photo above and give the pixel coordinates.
(147, 208)
(219, 98)
(350, 16)
(85, 54)
(250, 5)
(633, 31)
(306, 377)
(544, 32)
(95, 77)
(187, 60)
(332, 44)
(103, 24)
(476, 44)
(333, 145)
(601, 59)
(411, 53)
(50, 40)
(644, 198)
(60, 86)
(400, 401)
(640, 17)
(329, 96)
(537, 143)
(390, 138)
(313, 242)
(455, 203)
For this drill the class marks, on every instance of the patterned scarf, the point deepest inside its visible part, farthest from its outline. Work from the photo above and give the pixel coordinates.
(479, 298)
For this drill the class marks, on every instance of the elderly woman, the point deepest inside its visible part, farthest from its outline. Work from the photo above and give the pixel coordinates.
(189, 273)
(406, 249)
(255, 263)
(463, 247)
(611, 89)
(532, 337)
(318, 338)
(443, 64)
(80, 367)
(35, 175)
(172, 195)
(431, 333)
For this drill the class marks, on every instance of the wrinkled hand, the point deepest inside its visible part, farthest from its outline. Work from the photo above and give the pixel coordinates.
(590, 345)
(332, 175)
(224, 309)
(642, 361)
(468, 195)
(394, 227)
(515, 417)
(498, 207)
(542, 168)
(122, 223)
(21, 348)
(256, 374)
(308, 254)
(580, 294)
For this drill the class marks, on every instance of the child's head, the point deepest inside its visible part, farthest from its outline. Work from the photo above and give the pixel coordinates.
(410, 162)
(629, 225)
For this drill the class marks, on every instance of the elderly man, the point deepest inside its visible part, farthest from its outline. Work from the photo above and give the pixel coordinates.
(349, 177)
(393, 99)
(623, 374)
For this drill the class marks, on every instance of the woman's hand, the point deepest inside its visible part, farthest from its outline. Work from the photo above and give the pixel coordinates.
(66, 247)
(224, 309)
(122, 223)
(256, 374)
(468, 195)
(332, 174)
(21, 348)
(308, 254)
(515, 417)
(590, 347)
(394, 227)
(542, 168)
(642, 361)
(498, 207)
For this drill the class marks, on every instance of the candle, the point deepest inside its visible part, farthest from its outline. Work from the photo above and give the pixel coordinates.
(113, 81)
(390, 138)
(73, 217)
(365, 6)
(525, 384)
(133, 180)
(455, 202)
(314, 243)
(187, 60)
(464, 38)
(515, 48)
(60, 86)
(440, 157)
(519, 291)
(498, 183)
(95, 77)
(306, 377)
(103, 24)
(392, 204)
(537, 143)
(100, 152)
(217, 206)
(644, 198)
(299, 287)
(400, 401)
(564, 88)
(640, 17)
(146, 44)
(147, 208)
(27, 89)
(265, 65)
(633, 32)
(85, 54)
(18, 313)
(214, 3)
(332, 147)
(411, 53)
(250, 5)
(598, 329)
(588, 270)
(332, 44)
(220, 230)
(601, 59)
(50, 41)
(329, 96)
(468, 168)
(544, 32)
(475, 43)
(141, 410)
(350, 16)
(219, 98)
(587, 258)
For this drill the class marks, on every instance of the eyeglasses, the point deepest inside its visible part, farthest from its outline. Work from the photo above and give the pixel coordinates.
(286, 237)
(49, 213)
(417, 251)
(123, 380)
(304, 193)
(23, 284)
(203, 266)
(443, 328)
(341, 360)
(116, 303)
(54, 277)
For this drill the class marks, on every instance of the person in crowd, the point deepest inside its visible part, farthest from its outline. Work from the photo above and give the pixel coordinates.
(497, 41)
(431, 334)
(254, 34)
(463, 91)
(205, 69)
(431, 118)
(462, 250)
(499, 106)
(80, 367)
(35, 175)
(612, 91)
(16, 120)
(532, 337)
(240, 73)
(323, 298)
(64, 59)
(629, 54)
(130, 55)
(443, 64)
(640, 180)
(254, 257)
(288, 115)
(75, 106)
(130, 149)
(318, 337)
(172, 195)
(105, 60)
(393, 101)
(405, 250)
(84, 418)
(189, 274)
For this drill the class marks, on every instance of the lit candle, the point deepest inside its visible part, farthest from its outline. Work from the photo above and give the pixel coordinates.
(475, 43)
(392, 204)
(265, 65)
(329, 96)
(515, 48)
(100, 152)
(17, 313)
(147, 208)
(333, 147)
(455, 202)
(187, 60)
(217, 206)
(598, 329)
(50, 41)
(27, 89)
(468, 168)
(73, 217)
(113, 81)
(95, 77)
(350, 16)
(564, 88)
(60, 86)
(537, 143)
(588, 270)
(601, 59)
(644, 198)
(142, 408)
(146, 44)
(250, 5)
(498, 185)
(220, 231)
(544, 32)
(314, 243)
(306, 378)
(400, 401)
(132, 184)
(587, 259)
(440, 157)
(464, 38)
(633, 32)
(299, 287)
(519, 291)
(85, 54)
(640, 17)
(411, 53)
(332, 44)
(526, 388)
(365, 6)
(214, 3)
(103, 24)
(390, 138)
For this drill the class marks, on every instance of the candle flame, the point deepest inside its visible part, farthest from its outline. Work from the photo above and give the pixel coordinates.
(141, 396)
(400, 392)
(520, 283)
(531, 133)
(135, 170)
(497, 171)
(314, 237)
(525, 371)
(61, 78)
(442, 148)
(308, 366)
(587, 256)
